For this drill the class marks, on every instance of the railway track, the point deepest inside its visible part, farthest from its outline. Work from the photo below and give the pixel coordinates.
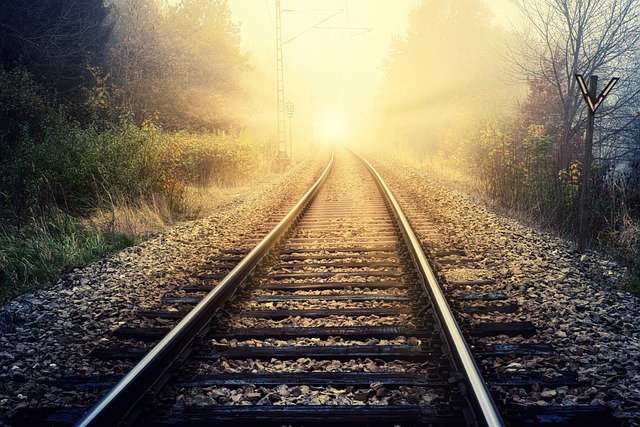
(334, 318)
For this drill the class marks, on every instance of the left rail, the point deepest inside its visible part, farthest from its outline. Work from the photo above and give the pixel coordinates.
(121, 401)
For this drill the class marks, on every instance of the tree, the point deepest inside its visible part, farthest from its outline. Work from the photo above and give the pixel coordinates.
(136, 65)
(442, 77)
(564, 37)
(203, 53)
(180, 62)
(53, 39)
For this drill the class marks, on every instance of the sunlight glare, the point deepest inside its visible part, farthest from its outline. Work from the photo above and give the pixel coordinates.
(334, 126)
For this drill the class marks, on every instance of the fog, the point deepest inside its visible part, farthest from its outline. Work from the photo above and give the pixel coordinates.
(338, 74)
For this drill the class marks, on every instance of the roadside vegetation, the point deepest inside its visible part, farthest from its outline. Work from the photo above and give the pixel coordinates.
(525, 157)
(131, 124)
(74, 192)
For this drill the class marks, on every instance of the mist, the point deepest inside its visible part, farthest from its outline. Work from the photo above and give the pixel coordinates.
(398, 74)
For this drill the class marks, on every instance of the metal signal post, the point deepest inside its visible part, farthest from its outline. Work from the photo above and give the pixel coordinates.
(289, 111)
(593, 103)
(282, 133)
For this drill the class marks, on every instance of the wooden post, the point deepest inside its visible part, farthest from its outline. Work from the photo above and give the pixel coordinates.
(593, 102)
(585, 194)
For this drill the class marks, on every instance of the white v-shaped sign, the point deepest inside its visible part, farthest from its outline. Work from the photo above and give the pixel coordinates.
(595, 103)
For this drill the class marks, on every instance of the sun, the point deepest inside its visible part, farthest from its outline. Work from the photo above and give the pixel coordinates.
(334, 126)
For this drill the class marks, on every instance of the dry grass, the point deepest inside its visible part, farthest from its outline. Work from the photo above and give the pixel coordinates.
(456, 178)
(625, 246)
(139, 221)
(145, 218)
(200, 202)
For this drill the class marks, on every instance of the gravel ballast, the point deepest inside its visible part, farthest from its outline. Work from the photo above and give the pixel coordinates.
(47, 334)
(571, 298)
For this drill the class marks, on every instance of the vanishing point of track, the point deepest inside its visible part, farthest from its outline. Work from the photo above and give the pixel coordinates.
(334, 318)
(344, 269)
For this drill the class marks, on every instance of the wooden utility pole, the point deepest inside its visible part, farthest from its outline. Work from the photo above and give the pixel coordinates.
(585, 194)
(586, 169)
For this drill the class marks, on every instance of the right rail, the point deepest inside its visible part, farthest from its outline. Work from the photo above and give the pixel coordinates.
(473, 383)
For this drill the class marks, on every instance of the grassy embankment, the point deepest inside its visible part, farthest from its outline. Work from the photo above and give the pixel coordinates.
(77, 192)
(615, 225)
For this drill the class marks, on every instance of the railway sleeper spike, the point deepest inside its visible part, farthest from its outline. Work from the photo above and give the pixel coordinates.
(201, 337)
(422, 309)
(219, 325)
(430, 347)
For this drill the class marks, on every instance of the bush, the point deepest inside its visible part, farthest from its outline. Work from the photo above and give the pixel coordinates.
(73, 168)
(219, 158)
(55, 171)
(79, 168)
(520, 173)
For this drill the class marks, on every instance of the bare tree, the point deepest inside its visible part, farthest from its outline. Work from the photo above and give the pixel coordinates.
(53, 39)
(563, 37)
(136, 60)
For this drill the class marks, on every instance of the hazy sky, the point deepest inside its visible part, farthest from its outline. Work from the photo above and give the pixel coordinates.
(331, 74)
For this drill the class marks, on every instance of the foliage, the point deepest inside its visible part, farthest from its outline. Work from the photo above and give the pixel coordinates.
(181, 63)
(53, 39)
(72, 166)
(591, 37)
(519, 175)
(518, 170)
(623, 242)
(218, 157)
(38, 252)
(91, 100)
(73, 170)
(441, 78)
(24, 107)
(78, 168)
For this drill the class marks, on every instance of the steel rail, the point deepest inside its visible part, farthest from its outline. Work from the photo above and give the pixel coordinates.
(122, 399)
(485, 412)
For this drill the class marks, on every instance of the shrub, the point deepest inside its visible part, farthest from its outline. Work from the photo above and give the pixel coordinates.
(73, 167)
(24, 107)
(220, 158)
